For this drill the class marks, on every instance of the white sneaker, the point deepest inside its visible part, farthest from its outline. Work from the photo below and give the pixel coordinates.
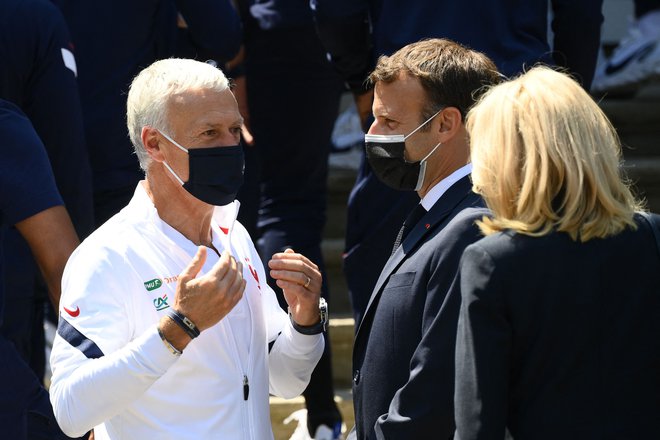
(347, 131)
(349, 159)
(635, 60)
(301, 432)
(323, 432)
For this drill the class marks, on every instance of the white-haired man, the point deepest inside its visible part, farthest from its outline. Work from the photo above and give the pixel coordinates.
(128, 359)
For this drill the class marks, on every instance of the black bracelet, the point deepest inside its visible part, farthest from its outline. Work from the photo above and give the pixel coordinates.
(186, 324)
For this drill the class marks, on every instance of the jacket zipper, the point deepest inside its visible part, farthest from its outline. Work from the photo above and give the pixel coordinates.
(246, 387)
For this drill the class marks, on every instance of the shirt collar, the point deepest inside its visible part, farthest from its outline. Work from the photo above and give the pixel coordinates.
(222, 223)
(434, 194)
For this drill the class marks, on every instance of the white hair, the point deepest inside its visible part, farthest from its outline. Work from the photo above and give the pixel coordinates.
(152, 90)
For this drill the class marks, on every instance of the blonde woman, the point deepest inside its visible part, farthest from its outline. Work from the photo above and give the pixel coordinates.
(559, 331)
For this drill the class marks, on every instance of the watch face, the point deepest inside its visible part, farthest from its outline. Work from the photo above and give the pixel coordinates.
(323, 310)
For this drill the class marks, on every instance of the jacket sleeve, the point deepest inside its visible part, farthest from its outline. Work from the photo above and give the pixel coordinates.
(292, 361)
(576, 26)
(424, 404)
(99, 366)
(292, 356)
(345, 32)
(52, 103)
(483, 348)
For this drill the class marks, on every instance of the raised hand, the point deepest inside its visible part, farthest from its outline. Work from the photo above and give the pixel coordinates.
(300, 280)
(207, 299)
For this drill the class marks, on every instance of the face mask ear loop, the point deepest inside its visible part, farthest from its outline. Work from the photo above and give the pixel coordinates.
(422, 166)
(173, 173)
(415, 130)
(174, 142)
(431, 152)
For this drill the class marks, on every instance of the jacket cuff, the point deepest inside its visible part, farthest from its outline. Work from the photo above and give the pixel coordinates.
(300, 345)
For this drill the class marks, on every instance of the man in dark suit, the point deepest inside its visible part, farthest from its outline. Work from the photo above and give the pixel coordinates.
(404, 347)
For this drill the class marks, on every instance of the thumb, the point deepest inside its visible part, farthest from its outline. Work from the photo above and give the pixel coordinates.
(195, 265)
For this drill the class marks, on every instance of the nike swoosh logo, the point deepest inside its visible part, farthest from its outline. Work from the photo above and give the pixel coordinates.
(73, 313)
(639, 55)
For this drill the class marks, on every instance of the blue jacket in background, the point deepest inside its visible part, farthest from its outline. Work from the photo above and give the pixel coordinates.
(513, 33)
(27, 188)
(38, 75)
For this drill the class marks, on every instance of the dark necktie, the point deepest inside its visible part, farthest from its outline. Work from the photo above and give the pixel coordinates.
(410, 223)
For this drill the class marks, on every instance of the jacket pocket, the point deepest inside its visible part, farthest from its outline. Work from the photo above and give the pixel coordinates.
(400, 280)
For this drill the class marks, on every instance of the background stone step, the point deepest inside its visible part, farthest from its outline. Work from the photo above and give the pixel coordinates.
(339, 304)
(637, 121)
(645, 174)
(342, 331)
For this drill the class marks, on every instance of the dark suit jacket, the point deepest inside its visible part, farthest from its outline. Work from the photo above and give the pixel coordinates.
(404, 347)
(559, 339)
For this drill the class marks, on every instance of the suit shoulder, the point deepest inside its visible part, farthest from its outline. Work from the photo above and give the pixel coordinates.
(451, 240)
(466, 219)
(471, 214)
(508, 246)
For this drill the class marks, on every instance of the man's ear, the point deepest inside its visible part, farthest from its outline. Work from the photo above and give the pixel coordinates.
(451, 122)
(151, 141)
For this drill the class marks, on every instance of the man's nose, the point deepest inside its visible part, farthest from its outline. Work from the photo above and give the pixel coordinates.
(375, 128)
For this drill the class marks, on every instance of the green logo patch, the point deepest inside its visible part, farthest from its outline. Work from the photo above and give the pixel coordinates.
(161, 303)
(153, 284)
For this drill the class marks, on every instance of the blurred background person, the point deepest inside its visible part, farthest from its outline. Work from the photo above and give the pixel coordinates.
(38, 74)
(29, 201)
(636, 59)
(557, 336)
(293, 98)
(203, 43)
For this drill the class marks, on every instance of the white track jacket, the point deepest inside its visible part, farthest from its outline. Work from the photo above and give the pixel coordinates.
(111, 370)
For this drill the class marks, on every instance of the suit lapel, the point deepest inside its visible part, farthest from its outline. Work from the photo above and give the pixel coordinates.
(438, 213)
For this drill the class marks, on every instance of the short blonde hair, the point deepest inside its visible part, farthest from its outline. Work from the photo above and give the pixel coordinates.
(545, 157)
(154, 86)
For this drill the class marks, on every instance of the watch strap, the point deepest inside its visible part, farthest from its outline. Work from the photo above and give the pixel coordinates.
(317, 328)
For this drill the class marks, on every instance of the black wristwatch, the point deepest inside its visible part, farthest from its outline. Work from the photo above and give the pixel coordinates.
(316, 328)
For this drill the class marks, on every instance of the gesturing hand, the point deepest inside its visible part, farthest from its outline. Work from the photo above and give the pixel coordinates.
(300, 280)
(207, 299)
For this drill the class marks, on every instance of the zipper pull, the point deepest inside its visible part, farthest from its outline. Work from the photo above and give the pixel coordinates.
(246, 387)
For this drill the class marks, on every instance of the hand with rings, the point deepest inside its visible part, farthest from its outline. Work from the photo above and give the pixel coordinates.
(300, 281)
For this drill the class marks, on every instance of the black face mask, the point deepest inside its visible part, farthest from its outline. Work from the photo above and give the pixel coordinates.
(215, 174)
(385, 154)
